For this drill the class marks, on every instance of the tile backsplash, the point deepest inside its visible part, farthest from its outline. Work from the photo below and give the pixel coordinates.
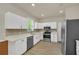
(15, 31)
(10, 32)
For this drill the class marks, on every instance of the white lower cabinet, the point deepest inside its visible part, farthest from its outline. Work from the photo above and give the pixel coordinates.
(41, 36)
(11, 48)
(36, 39)
(17, 47)
(53, 36)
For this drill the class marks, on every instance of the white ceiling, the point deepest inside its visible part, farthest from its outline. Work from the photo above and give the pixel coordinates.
(48, 9)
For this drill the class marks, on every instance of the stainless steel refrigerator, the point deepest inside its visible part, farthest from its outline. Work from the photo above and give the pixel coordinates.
(69, 34)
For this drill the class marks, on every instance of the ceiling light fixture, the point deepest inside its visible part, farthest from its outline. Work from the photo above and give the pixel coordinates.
(61, 11)
(33, 4)
(42, 14)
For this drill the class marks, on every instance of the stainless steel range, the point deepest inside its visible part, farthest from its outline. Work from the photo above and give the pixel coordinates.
(47, 34)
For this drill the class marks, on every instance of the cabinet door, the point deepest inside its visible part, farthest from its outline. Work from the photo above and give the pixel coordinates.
(11, 48)
(24, 23)
(40, 25)
(11, 21)
(36, 25)
(20, 46)
(23, 45)
(46, 24)
(38, 37)
(54, 36)
(41, 36)
(17, 47)
(53, 25)
(35, 39)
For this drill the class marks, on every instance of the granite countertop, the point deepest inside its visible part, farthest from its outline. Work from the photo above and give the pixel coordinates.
(17, 37)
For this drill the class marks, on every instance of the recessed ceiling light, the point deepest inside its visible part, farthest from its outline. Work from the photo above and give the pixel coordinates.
(33, 4)
(61, 11)
(42, 14)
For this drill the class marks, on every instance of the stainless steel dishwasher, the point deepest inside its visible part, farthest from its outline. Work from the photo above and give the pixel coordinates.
(29, 42)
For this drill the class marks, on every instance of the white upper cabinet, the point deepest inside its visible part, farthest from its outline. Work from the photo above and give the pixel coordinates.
(24, 23)
(35, 25)
(13, 21)
(40, 26)
(53, 25)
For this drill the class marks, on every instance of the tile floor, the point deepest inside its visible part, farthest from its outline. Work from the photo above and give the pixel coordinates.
(45, 48)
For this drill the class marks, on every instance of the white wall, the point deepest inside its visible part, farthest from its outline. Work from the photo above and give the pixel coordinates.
(72, 12)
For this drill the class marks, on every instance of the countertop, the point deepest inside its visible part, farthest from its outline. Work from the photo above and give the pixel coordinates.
(17, 37)
(3, 40)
